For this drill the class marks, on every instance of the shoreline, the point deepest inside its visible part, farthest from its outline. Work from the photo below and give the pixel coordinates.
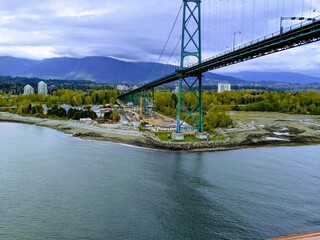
(81, 130)
(145, 139)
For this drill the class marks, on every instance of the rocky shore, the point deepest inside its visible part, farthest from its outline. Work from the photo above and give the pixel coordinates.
(283, 133)
(81, 130)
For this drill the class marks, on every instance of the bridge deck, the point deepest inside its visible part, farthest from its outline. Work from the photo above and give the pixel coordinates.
(296, 35)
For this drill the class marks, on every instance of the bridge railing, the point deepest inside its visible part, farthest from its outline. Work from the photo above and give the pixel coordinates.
(274, 34)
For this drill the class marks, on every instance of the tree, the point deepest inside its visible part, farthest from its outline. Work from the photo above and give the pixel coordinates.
(57, 111)
(216, 117)
(112, 100)
(88, 100)
(3, 101)
(174, 100)
(115, 116)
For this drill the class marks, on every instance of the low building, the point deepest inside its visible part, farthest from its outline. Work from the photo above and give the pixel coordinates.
(97, 110)
(224, 87)
(27, 90)
(68, 107)
(122, 87)
(42, 88)
(85, 120)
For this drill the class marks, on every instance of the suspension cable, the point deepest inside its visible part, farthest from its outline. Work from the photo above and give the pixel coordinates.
(171, 31)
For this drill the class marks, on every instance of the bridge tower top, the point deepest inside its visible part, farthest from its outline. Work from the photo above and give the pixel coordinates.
(191, 31)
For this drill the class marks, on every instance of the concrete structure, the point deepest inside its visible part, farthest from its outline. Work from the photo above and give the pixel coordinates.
(202, 136)
(86, 120)
(122, 87)
(27, 90)
(177, 136)
(42, 88)
(224, 87)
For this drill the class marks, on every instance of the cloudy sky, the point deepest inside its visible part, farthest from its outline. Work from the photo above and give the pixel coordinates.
(136, 30)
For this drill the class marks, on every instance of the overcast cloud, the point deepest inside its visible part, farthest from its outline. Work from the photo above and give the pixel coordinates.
(136, 30)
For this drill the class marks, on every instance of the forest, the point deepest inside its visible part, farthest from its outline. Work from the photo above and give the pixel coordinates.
(33, 104)
(15, 85)
(216, 106)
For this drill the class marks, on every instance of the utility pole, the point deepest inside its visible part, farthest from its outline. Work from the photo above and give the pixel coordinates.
(234, 38)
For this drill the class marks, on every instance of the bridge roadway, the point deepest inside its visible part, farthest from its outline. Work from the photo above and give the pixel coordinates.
(294, 36)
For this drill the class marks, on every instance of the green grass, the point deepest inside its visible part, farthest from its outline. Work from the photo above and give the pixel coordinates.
(166, 136)
(189, 138)
(163, 136)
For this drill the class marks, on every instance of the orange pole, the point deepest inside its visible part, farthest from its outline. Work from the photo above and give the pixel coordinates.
(141, 107)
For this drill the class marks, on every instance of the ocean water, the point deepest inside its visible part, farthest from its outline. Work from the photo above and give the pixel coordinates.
(54, 186)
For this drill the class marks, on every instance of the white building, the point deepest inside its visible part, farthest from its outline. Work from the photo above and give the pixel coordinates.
(42, 88)
(122, 87)
(27, 90)
(134, 87)
(224, 87)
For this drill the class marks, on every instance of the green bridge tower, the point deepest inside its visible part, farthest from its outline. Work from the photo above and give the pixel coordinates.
(190, 50)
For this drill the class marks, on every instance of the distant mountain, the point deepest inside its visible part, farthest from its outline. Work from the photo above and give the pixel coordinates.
(113, 71)
(284, 77)
(214, 79)
(50, 68)
(10, 66)
(99, 69)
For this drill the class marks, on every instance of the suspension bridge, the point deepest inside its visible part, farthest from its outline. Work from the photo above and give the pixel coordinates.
(189, 77)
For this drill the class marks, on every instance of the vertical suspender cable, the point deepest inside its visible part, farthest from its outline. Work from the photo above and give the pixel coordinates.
(220, 23)
(292, 11)
(171, 31)
(267, 18)
(227, 21)
(253, 18)
(242, 22)
(233, 16)
(277, 9)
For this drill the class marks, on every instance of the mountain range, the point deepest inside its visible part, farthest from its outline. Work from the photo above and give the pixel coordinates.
(113, 71)
(284, 77)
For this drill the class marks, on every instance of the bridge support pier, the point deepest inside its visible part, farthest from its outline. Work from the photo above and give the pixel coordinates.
(148, 107)
(190, 113)
(190, 48)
